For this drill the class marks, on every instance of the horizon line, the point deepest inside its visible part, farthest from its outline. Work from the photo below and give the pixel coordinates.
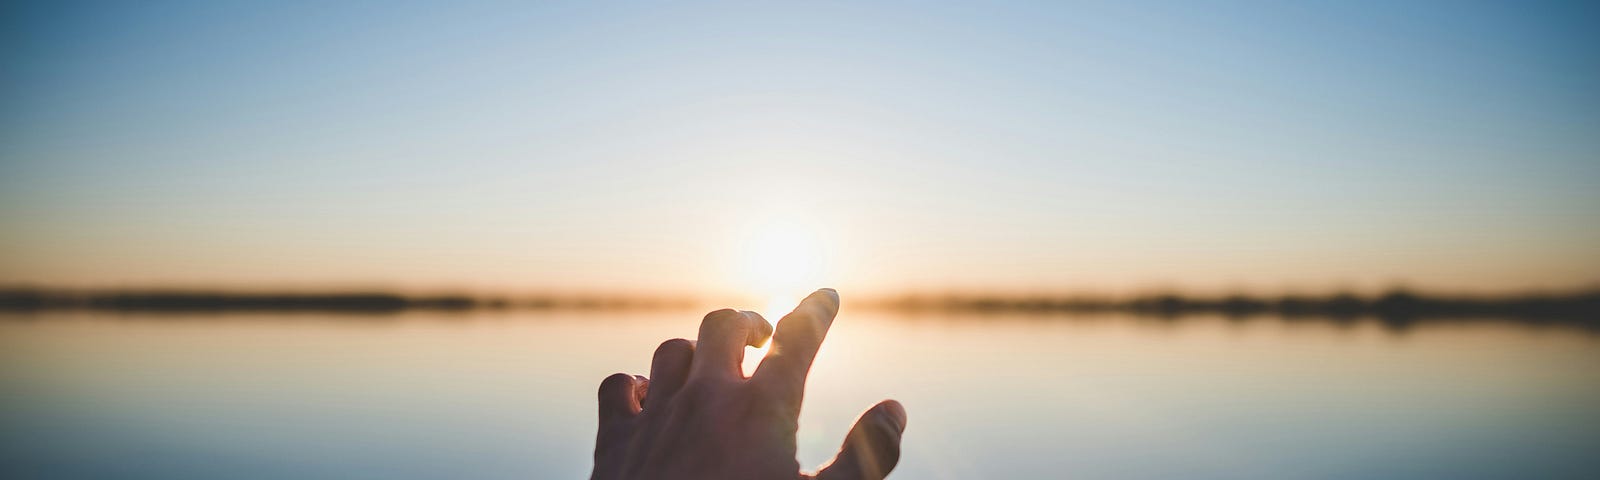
(1395, 304)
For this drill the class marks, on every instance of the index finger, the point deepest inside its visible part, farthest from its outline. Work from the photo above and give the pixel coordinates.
(794, 345)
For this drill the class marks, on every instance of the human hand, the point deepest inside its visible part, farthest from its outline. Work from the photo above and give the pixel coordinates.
(697, 417)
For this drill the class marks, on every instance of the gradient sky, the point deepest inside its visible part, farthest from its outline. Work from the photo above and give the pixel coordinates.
(602, 146)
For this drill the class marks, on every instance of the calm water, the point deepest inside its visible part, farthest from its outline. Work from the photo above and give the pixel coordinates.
(510, 395)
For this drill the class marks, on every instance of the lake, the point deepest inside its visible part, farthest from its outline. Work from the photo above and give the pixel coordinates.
(503, 395)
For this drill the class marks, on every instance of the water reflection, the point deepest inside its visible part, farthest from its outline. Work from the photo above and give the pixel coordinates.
(509, 395)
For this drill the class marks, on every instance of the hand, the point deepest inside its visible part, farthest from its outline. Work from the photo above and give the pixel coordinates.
(697, 417)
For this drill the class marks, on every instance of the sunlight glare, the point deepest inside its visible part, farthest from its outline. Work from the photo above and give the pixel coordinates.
(776, 308)
(781, 262)
(782, 256)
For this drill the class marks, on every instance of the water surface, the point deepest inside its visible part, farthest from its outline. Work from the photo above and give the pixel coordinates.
(510, 395)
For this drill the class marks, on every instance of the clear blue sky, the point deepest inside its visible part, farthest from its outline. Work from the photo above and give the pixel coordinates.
(1100, 146)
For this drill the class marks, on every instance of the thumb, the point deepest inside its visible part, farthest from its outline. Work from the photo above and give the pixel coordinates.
(872, 448)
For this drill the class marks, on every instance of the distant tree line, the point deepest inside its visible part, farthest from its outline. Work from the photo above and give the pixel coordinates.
(1394, 306)
(181, 301)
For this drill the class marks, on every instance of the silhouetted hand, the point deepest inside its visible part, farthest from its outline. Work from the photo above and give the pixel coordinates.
(697, 417)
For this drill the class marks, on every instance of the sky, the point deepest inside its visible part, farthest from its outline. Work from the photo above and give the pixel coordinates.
(729, 147)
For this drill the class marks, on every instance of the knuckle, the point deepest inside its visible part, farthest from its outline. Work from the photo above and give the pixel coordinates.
(722, 313)
(674, 346)
(724, 319)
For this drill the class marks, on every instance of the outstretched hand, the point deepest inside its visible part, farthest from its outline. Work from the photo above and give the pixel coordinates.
(698, 417)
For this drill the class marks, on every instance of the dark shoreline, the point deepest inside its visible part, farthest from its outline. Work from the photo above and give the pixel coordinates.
(348, 302)
(1583, 307)
(1396, 303)
(1396, 310)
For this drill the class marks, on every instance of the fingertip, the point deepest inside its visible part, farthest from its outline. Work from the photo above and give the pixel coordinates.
(761, 331)
(616, 382)
(830, 293)
(872, 448)
(823, 303)
(673, 349)
(894, 412)
(618, 395)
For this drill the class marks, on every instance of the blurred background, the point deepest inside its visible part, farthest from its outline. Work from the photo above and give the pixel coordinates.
(1076, 239)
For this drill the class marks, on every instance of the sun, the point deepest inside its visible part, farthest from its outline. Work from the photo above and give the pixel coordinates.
(779, 263)
(781, 259)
